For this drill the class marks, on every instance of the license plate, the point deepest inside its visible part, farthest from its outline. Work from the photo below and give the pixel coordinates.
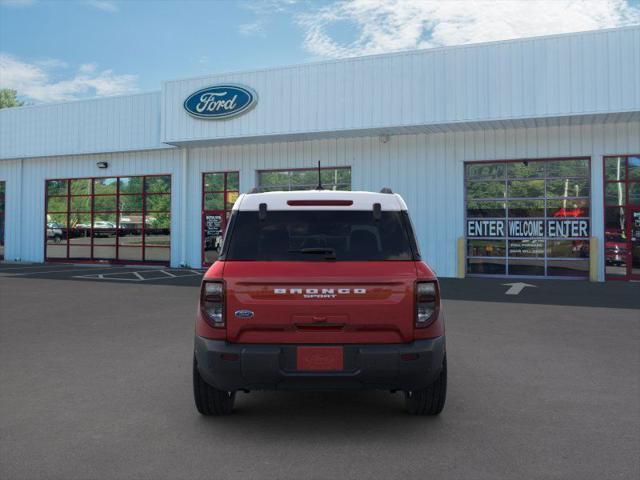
(320, 359)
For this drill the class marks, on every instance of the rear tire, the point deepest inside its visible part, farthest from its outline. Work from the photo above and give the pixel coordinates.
(209, 400)
(429, 401)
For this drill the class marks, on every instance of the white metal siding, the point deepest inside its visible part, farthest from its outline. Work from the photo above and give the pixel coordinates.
(11, 174)
(27, 220)
(547, 77)
(426, 169)
(90, 126)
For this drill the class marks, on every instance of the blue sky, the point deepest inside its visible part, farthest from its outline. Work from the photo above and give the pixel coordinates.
(63, 50)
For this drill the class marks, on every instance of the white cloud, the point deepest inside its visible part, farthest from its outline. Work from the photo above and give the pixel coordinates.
(389, 25)
(104, 5)
(252, 29)
(269, 6)
(36, 81)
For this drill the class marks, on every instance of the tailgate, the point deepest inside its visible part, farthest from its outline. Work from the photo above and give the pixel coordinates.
(320, 302)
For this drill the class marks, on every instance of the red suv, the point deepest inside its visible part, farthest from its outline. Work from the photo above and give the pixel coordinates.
(320, 290)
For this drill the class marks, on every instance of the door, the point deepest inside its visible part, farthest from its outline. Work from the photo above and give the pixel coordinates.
(220, 190)
(214, 223)
(634, 243)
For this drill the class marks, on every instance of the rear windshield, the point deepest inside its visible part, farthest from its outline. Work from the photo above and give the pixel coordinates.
(298, 235)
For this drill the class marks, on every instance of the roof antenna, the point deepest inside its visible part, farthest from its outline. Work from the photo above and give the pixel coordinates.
(319, 187)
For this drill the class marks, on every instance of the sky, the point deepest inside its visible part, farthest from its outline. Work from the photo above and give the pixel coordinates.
(59, 50)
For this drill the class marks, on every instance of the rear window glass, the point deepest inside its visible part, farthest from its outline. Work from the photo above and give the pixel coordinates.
(298, 235)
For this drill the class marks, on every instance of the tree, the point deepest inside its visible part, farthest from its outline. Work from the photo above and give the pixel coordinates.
(8, 98)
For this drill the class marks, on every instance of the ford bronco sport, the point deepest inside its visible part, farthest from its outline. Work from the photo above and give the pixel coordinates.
(319, 290)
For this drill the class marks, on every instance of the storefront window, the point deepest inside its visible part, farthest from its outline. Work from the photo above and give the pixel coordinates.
(109, 219)
(220, 190)
(304, 179)
(529, 218)
(622, 217)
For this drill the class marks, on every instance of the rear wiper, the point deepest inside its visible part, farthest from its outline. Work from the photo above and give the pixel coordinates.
(330, 253)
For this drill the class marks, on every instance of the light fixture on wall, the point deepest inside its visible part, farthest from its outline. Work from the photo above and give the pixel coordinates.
(102, 164)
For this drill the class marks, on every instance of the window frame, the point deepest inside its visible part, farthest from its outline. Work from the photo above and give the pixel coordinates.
(627, 207)
(225, 211)
(301, 169)
(506, 178)
(117, 212)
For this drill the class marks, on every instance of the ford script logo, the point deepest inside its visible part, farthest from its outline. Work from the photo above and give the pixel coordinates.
(220, 101)
(244, 313)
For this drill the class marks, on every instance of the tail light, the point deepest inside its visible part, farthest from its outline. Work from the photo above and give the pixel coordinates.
(212, 303)
(427, 303)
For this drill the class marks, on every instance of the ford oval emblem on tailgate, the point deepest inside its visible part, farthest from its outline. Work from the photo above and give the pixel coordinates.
(244, 313)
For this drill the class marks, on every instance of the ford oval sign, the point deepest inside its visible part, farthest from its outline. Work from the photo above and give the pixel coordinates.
(244, 313)
(220, 101)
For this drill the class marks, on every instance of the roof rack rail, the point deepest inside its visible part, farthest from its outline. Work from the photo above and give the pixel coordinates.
(386, 190)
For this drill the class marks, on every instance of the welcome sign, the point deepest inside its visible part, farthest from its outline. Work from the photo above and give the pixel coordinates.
(529, 228)
(219, 102)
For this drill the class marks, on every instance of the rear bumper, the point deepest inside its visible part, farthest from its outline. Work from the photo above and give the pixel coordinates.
(273, 367)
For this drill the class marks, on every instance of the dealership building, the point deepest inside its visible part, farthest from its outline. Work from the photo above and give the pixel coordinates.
(516, 158)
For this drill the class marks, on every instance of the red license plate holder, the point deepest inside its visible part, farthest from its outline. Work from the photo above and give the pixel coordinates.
(320, 359)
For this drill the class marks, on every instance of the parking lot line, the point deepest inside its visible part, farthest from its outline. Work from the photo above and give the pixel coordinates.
(41, 272)
(139, 275)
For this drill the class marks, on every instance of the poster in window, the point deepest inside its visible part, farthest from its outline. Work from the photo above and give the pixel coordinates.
(213, 232)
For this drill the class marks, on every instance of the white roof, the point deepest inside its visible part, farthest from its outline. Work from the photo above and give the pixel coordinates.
(280, 200)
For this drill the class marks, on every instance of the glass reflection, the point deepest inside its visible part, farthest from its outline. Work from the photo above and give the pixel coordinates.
(485, 171)
(160, 184)
(615, 168)
(526, 188)
(614, 193)
(92, 227)
(568, 208)
(486, 248)
(526, 169)
(105, 185)
(568, 168)
(130, 203)
(526, 208)
(213, 182)
(488, 266)
(568, 248)
(56, 187)
(129, 253)
(130, 185)
(106, 203)
(80, 204)
(56, 233)
(81, 187)
(79, 252)
(485, 189)
(214, 201)
(568, 188)
(158, 203)
(567, 268)
(526, 267)
(633, 168)
(57, 204)
(157, 254)
(477, 209)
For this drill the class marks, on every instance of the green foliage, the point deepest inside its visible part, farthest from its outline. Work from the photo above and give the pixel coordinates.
(8, 98)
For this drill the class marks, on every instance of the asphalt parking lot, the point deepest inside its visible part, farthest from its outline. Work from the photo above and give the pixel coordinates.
(95, 383)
